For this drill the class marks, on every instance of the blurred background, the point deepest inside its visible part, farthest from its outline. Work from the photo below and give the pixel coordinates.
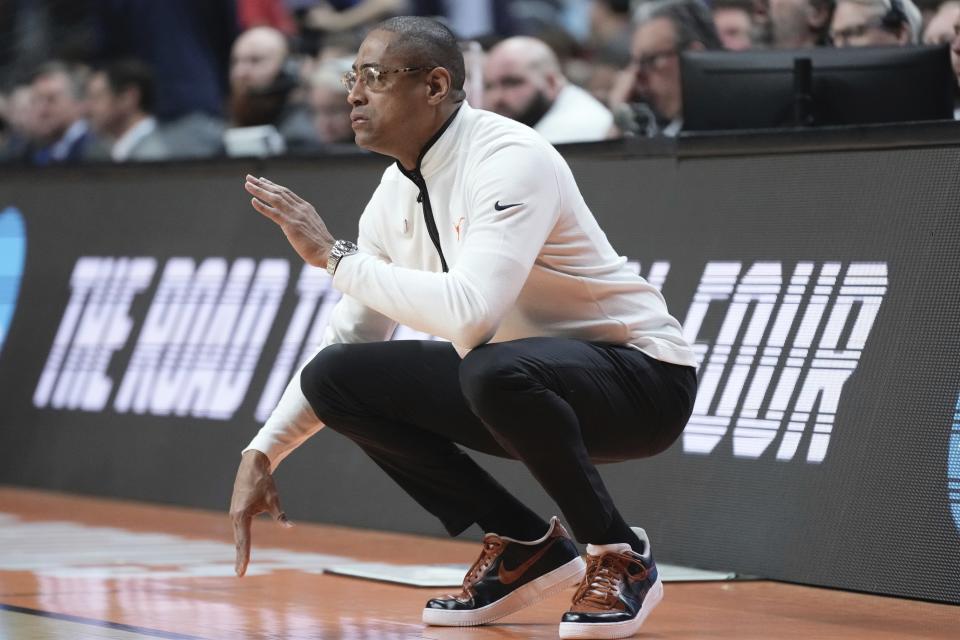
(147, 80)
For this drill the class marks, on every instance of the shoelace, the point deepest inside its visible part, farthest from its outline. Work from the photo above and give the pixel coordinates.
(605, 573)
(491, 548)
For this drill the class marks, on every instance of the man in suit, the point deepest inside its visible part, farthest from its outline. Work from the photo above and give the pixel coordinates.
(61, 133)
(120, 101)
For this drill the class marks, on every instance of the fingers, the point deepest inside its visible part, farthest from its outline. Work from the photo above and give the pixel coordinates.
(270, 183)
(263, 193)
(241, 536)
(275, 191)
(283, 191)
(273, 506)
(280, 199)
(266, 210)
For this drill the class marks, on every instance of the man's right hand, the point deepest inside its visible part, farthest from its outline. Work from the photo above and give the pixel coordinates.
(253, 493)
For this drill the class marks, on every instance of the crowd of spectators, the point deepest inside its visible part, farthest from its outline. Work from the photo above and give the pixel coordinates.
(143, 80)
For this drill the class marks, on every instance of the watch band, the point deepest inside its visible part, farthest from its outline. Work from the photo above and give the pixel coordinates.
(340, 249)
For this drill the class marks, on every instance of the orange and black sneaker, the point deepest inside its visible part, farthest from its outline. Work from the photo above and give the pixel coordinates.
(618, 592)
(508, 576)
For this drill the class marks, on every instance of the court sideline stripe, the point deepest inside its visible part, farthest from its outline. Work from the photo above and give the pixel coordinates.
(118, 626)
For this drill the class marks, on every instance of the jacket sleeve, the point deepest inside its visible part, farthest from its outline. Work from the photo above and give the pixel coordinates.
(293, 421)
(515, 200)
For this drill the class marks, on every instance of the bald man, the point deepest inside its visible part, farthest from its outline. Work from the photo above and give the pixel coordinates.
(261, 88)
(522, 80)
(257, 57)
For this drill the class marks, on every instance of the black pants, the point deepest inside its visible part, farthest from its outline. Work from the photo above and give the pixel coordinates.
(557, 405)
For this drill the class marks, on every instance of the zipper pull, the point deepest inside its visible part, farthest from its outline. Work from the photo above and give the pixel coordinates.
(420, 197)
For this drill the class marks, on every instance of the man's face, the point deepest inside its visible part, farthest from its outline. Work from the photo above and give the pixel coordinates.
(940, 28)
(657, 63)
(855, 25)
(516, 89)
(331, 114)
(102, 108)
(382, 115)
(733, 27)
(256, 60)
(55, 107)
(20, 113)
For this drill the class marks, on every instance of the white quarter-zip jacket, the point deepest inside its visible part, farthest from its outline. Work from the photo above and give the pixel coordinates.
(488, 240)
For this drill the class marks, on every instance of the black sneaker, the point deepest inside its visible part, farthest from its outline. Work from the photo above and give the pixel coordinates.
(618, 592)
(508, 576)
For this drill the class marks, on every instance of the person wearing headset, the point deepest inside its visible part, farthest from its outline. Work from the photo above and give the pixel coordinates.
(875, 23)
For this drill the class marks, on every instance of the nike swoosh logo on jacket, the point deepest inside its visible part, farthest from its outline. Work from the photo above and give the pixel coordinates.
(541, 268)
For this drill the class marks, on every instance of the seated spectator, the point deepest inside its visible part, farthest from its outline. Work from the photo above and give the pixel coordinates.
(60, 133)
(186, 44)
(662, 29)
(328, 102)
(606, 49)
(120, 100)
(19, 118)
(734, 22)
(940, 28)
(798, 24)
(522, 80)
(263, 80)
(875, 23)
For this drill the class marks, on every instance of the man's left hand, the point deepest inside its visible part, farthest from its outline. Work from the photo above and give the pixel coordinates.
(297, 218)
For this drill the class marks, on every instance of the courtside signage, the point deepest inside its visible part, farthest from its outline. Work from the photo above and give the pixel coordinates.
(13, 251)
(953, 467)
(773, 374)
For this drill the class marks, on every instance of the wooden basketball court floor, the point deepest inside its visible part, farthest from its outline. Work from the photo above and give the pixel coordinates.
(81, 568)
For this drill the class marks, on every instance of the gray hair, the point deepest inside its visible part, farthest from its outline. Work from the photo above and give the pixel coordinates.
(913, 20)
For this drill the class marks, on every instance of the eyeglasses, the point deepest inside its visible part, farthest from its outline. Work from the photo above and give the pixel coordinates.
(372, 77)
(648, 61)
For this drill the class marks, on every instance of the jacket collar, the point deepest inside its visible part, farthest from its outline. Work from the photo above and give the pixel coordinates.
(441, 146)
